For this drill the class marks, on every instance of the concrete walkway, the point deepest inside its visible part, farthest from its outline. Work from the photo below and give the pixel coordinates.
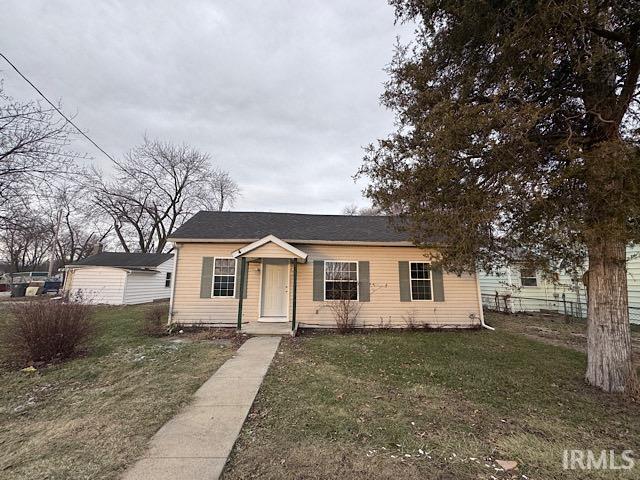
(195, 443)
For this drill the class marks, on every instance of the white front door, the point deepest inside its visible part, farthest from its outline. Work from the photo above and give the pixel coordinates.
(275, 282)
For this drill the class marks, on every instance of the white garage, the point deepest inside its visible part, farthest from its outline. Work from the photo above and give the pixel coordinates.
(118, 278)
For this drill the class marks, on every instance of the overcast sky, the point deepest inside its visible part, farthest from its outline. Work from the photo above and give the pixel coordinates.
(282, 94)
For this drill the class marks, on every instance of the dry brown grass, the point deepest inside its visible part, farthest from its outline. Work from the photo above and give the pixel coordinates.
(204, 334)
(91, 417)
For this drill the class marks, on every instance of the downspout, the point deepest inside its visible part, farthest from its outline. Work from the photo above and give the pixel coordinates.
(176, 247)
(294, 325)
(66, 281)
(243, 273)
(124, 287)
(478, 292)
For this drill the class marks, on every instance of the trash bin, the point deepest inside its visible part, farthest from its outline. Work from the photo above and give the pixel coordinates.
(52, 286)
(19, 289)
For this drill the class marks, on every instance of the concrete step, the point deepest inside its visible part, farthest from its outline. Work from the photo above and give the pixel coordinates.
(267, 328)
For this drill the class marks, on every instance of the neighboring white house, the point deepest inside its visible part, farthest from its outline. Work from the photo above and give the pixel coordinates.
(120, 278)
(530, 291)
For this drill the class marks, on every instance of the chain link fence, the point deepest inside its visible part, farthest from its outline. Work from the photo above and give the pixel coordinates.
(557, 305)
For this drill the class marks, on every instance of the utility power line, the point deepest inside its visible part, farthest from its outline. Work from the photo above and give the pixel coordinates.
(55, 107)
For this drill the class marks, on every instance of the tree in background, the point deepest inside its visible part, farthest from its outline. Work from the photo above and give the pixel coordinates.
(33, 148)
(354, 210)
(72, 223)
(518, 139)
(224, 190)
(52, 228)
(24, 238)
(34, 155)
(155, 188)
(46, 214)
(78, 234)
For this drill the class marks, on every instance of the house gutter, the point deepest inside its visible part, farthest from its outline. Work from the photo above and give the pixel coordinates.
(482, 324)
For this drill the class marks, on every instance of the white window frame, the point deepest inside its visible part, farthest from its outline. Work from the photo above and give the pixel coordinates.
(213, 277)
(430, 282)
(324, 283)
(168, 276)
(535, 275)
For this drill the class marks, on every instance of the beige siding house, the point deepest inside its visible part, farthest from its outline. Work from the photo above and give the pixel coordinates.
(240, 269)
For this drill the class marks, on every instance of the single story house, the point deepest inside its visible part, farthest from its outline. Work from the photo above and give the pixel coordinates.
(118, 278)
(245, 268)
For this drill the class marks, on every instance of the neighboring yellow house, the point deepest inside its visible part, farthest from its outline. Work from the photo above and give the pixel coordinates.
(250, 269)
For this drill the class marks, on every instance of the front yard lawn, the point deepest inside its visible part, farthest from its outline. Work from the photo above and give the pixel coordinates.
(90, 417)
(428, 405)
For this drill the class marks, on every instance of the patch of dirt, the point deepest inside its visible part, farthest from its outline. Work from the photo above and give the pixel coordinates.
(552, 329)
(216, 336)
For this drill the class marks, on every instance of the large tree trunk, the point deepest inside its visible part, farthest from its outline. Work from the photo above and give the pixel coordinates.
(609, 364)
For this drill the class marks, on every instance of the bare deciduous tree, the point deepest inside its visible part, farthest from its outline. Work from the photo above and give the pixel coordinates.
(225, 191)
(33, 155)
(55, 226)
(154, 189)
(24, 238)
(33, 147)
(73, 225)
(355, 210)
(351, 209)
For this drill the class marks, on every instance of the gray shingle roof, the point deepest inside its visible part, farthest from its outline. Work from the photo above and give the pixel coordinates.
(288, 227)
(122, 259)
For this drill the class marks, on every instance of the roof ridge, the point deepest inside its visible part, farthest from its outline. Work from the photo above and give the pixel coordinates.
(297, 213)
(124, 259)
(134, 253)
